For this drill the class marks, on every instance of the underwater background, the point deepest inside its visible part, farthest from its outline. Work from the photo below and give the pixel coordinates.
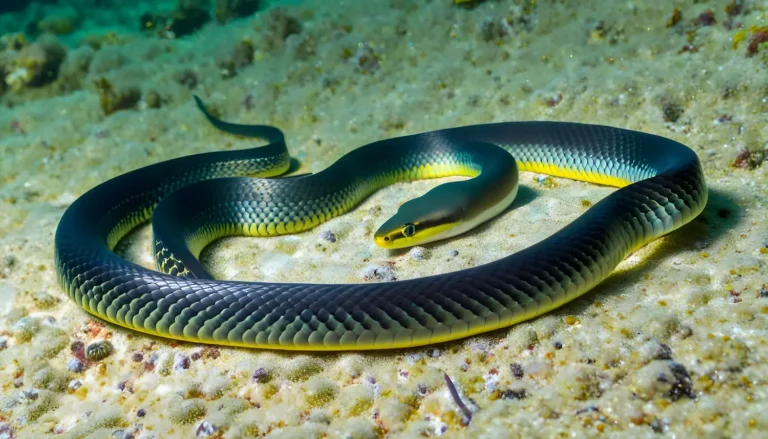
(674, 344)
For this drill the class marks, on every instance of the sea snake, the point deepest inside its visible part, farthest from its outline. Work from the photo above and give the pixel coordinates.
(199, 198)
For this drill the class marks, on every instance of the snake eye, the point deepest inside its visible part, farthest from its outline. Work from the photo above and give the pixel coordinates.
(409, 230)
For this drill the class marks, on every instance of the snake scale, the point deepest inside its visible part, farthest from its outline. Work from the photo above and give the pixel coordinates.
(200, 198)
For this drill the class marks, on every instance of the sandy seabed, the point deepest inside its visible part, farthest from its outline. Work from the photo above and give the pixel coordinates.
(673, 344)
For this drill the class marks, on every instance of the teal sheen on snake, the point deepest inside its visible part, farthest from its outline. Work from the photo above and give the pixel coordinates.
(197, 199)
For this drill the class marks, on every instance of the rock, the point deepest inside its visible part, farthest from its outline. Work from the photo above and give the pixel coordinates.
(260, 375)
(230, 9)
(280, 26)
(31, 65)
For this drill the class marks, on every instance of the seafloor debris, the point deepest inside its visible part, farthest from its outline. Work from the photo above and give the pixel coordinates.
(682, 384)
(113, 99)
(675, 18)
(514, 394)
(467, 413)
(672, 111)
(240, 58)
(759, 36)
(748, 159)
(706, 18)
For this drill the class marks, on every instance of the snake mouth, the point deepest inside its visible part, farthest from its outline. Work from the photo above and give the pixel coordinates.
(389, 240)
(403, 237)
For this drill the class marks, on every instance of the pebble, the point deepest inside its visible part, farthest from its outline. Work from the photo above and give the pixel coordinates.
(205, 429)
(418, 253)
(123, 434)
(75, 365)
(379, 273)
(663, 352)
(328, 236)
(6, 432)
(517, 370)
(181, 362)
(514, 394)
(30, 394)
(260, 375)
(74, 385)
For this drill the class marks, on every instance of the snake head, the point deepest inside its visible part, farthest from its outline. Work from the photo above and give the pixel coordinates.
(417, 222)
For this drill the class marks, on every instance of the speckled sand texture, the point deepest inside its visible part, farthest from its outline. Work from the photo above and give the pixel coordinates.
(673, 345)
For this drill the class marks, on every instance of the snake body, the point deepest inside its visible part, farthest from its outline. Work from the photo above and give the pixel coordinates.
(206, 196)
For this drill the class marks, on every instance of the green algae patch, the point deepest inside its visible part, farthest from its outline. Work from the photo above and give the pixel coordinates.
(43, 300)
(99, 423)
(51, 379)
(25, 329)
(319, 392)
(36, 403)
(356, 400)
(301, 369)
(188, 412)
(48, 343)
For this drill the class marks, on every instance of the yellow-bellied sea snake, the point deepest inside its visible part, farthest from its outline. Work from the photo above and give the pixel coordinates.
(200, 198)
